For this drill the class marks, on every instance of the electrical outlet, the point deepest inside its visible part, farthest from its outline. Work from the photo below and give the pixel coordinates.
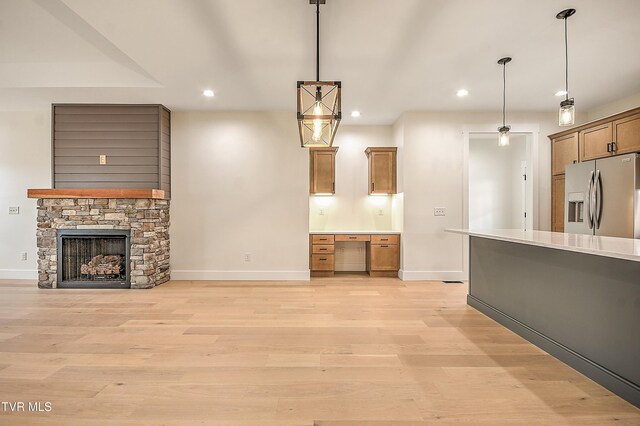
(103, 160)
(439, 211)
(23, 255)
(380, 212)
(321, 212)
(14, 210)
(247, 257)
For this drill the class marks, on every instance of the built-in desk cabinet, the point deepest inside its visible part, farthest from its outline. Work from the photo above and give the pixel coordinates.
(382, 253)
(615, 135)
(322, 170)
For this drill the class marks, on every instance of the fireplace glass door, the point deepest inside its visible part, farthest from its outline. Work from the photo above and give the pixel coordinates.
(94, 259)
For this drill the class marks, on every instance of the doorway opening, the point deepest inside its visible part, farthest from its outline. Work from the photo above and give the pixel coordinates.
(500, 184)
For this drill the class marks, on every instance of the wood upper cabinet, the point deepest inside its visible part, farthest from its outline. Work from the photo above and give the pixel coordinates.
(322, 170)
(382, 170)
(557, 203)
(595, 142)
(564, 151)
(626, 134)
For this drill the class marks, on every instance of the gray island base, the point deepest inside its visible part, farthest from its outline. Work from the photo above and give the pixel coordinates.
(583, 308)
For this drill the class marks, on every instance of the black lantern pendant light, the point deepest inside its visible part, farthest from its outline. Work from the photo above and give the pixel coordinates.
(503, 132)
(319, 106)
(567, 113)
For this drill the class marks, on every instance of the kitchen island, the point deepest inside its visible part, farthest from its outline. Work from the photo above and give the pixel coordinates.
(575, 296)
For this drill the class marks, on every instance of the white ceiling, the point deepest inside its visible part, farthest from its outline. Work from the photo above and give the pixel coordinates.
(391, 55)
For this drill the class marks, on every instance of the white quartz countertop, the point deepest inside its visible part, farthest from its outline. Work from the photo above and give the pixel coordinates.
(620, 248)
(355, 232)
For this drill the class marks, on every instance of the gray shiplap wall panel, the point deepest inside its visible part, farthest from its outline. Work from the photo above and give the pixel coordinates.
(111, 161)
(120, 185)
(89, 109)
(106, 127)
(97, 169)
(109, 152)
(135, 138)
(165, 150)
(107, 118)
(106, 143)
(107, 177)
(99, 135)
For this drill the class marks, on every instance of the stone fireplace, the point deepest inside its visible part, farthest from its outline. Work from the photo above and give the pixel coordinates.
(102, 242)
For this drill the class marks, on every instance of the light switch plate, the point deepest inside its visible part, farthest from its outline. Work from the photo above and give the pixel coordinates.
(14, 210)
(439, 211)
(103, 160)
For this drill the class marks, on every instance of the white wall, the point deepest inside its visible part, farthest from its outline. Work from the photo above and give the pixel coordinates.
(614, 107)
(433, 176)
(496, 185)
(25, 162)
(240, 184)
(351, 208)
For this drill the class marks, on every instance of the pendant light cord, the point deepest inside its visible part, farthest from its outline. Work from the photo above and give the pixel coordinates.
(566, 61)
(504, 91)
(318, 41)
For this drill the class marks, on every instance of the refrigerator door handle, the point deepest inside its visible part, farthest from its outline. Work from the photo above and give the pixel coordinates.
(598, 198)
(590, 201)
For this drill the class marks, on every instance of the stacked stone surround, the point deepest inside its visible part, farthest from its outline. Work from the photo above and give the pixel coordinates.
(146, 219)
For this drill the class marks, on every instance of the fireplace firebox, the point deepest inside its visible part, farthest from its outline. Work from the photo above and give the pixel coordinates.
(93, 258)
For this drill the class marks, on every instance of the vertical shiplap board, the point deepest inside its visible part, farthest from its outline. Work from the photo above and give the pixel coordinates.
(131, 136)
(165, 150)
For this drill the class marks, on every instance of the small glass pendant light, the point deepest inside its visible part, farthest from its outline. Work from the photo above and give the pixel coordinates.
(503, 131)
(567, 112)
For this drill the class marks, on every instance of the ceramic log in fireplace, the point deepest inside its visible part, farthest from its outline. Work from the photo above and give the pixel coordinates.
(93, 258)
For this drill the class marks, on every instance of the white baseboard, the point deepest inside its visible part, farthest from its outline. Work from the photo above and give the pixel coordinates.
(18, 274)
(195, 275)
(431, 275)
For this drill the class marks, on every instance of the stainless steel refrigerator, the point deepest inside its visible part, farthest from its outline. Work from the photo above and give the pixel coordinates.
(603, 197)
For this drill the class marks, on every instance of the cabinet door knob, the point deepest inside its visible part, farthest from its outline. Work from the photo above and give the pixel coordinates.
(609, 147)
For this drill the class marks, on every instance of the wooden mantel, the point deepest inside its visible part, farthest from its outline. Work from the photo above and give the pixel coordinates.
(157, 194)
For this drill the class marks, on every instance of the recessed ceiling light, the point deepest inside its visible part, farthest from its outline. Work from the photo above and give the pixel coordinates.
(355, 113)
(208, 93)
(462, 93)
(561, 92)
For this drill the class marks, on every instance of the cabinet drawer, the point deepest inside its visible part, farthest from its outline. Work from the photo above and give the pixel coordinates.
(322, 248)
(322, 239)
(322, 262)
(346, 237)
(385, 257)
(385, 239)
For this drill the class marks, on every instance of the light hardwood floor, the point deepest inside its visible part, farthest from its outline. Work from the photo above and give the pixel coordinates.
(336, 351)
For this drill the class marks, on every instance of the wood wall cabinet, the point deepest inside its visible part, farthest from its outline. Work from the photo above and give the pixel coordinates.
(595, 142)
(564, 151)
(382, 170)
(557, 203)
(626, 134)
(618, 134)
(322, 170)
(382, 253)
